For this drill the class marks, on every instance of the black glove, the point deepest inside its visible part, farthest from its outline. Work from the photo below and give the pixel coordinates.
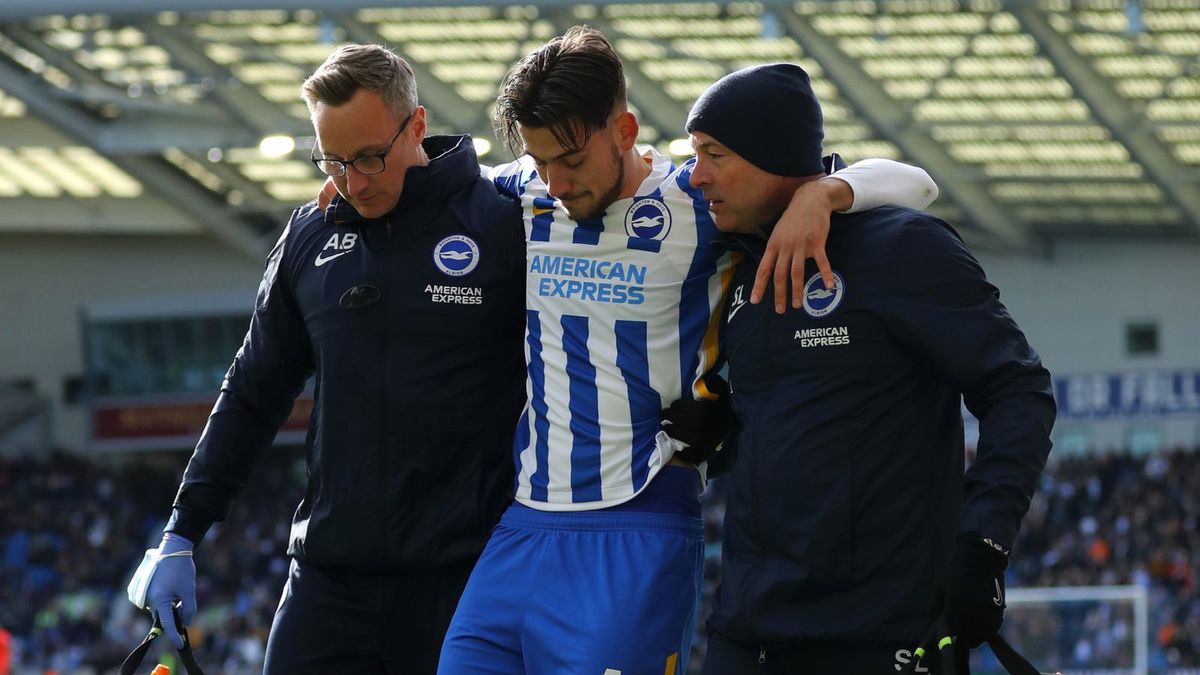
(702, 425)
(974, 591)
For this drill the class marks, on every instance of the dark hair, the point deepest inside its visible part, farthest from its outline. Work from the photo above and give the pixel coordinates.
(570, 85)
(371, 67)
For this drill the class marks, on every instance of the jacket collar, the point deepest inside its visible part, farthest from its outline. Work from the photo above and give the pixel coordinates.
(452, 166)
(753, 244)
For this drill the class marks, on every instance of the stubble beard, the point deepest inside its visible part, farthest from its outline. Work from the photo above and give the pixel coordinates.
(610, 196)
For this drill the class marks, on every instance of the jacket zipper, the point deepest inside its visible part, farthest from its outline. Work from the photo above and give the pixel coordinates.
(752, 257)
(385, 446)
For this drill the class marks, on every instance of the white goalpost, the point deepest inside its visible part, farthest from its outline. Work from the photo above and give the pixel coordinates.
(1062, 598)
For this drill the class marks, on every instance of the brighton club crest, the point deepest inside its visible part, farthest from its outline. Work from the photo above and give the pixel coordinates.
(456, 255)
(820, 302)
(648, 219)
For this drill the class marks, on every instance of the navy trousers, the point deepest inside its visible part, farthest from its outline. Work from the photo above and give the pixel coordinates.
(352, 623)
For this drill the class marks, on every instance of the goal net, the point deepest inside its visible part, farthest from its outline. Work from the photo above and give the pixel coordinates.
(1078, 630)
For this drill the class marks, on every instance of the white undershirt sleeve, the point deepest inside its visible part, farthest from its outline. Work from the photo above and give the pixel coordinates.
(878, 182)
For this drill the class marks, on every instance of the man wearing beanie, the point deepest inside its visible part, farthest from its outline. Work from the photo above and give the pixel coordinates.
(851, 525)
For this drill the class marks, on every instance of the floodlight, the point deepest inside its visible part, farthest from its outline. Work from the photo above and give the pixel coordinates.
(277, 146)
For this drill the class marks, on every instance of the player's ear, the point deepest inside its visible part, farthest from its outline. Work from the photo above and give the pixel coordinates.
(625, 128)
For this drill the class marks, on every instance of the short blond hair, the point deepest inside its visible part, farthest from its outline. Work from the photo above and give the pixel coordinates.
(372, 67)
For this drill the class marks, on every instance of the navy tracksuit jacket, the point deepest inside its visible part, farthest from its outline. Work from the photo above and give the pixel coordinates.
(412, 325)
(847, 492)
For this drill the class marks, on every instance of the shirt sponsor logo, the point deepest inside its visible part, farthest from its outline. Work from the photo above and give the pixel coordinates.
(588, 279)
(648, 218)
(358, 296)
(455, 295)
(820, 302)
(834, 336)
(456, 255)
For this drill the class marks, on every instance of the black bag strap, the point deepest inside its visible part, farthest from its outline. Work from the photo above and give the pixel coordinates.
(131, 663)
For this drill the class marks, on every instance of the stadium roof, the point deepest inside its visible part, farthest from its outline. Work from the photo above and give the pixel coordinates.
(1037, 118)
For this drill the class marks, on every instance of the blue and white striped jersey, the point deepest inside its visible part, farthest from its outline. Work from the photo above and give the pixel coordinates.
(619, 324)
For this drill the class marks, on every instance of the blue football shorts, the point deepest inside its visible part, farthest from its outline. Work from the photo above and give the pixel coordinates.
(607, 592)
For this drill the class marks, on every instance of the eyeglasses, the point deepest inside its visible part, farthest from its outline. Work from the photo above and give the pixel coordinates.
(367, 165)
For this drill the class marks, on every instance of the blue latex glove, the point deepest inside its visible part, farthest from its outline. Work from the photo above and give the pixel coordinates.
(174, 579)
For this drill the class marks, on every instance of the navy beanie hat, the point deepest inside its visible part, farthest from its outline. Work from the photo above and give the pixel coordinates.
(767, 114)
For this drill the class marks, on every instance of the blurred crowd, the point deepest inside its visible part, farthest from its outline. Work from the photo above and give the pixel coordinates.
(71, 532)
(1117, 520)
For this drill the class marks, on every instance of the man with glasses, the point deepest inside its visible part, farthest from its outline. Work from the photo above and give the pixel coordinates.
(405, 299)
(366, 165)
